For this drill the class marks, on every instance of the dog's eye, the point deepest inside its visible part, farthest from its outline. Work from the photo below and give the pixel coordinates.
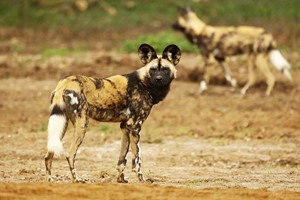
(165, 69)
(153, 69)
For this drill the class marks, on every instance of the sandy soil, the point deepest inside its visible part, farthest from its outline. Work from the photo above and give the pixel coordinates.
(219, 145)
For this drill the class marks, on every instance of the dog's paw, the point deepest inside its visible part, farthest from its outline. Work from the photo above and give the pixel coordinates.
(80, 180)
(121, 179)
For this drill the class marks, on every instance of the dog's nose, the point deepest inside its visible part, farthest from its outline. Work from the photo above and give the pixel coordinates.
(158, 78)
(175, 26)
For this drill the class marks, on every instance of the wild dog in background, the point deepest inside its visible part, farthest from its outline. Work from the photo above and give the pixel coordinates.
(217, 43)
(122, 98)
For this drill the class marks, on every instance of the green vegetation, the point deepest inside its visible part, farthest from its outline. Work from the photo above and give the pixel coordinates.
(244, 11)
(159, 42)
(280, 17)
(181, 130)
(243, 133)
(146, 13)
(192, 183)
(43, 126)
(152, 140)
(220, 142)
(105, 128)
(17, 48)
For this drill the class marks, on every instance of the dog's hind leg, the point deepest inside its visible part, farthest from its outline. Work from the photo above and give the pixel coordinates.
(80, 125)
(48, 164)
(77, 111)
(263, 66)
(123, 153)
(251, 75)
(57, 127)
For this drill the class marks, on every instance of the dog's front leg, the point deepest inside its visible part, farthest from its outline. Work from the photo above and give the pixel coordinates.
(228, 75)
(135, 148)
(123, 152)
(209, 68)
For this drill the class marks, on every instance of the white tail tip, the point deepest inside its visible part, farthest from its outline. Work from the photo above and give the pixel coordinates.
(287, 74)
(280, 63)
(278, 60)
(55, 146)
(56, 128)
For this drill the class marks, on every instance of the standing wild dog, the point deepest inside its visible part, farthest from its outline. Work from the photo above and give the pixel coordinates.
(122, 98)
(216, 43)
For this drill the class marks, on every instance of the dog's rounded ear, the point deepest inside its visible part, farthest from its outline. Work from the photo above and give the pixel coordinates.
(146, 53)
(184, 11)
(172, 53)
(188, 9)
(181, 10)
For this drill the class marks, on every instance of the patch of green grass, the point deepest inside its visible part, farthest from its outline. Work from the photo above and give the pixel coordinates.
(17, 48)
(6, 75)
(159, 42)
(220, 142)
(43, 126)
(236, 12)
(147, 13)
(152, 140)
(181, 130)
(61, 52)
(40, 127)
(191, 183)
(105, 128)
(243, 133)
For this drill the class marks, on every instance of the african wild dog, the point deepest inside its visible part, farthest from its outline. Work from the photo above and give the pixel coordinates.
(217, 43)
(127, 99)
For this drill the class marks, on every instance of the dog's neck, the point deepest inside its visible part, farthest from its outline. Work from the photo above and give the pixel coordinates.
(158, 93)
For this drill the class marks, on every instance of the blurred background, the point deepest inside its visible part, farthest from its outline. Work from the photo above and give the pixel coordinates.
(125, 23)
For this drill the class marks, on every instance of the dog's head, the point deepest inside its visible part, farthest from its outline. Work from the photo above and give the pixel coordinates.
(188, 22)
(159, 71)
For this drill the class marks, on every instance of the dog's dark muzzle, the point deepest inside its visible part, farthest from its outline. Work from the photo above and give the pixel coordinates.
(160, 81)
(177, 27)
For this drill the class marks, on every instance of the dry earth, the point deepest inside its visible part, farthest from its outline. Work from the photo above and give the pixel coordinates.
(216, 146)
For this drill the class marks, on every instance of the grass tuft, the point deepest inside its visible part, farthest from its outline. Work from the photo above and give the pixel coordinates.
(159, 42)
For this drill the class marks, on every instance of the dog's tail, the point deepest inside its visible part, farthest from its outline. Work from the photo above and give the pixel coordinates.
(280, 63)
(57, 124)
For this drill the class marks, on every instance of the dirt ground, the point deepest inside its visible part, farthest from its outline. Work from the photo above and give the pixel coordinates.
(216, 146)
